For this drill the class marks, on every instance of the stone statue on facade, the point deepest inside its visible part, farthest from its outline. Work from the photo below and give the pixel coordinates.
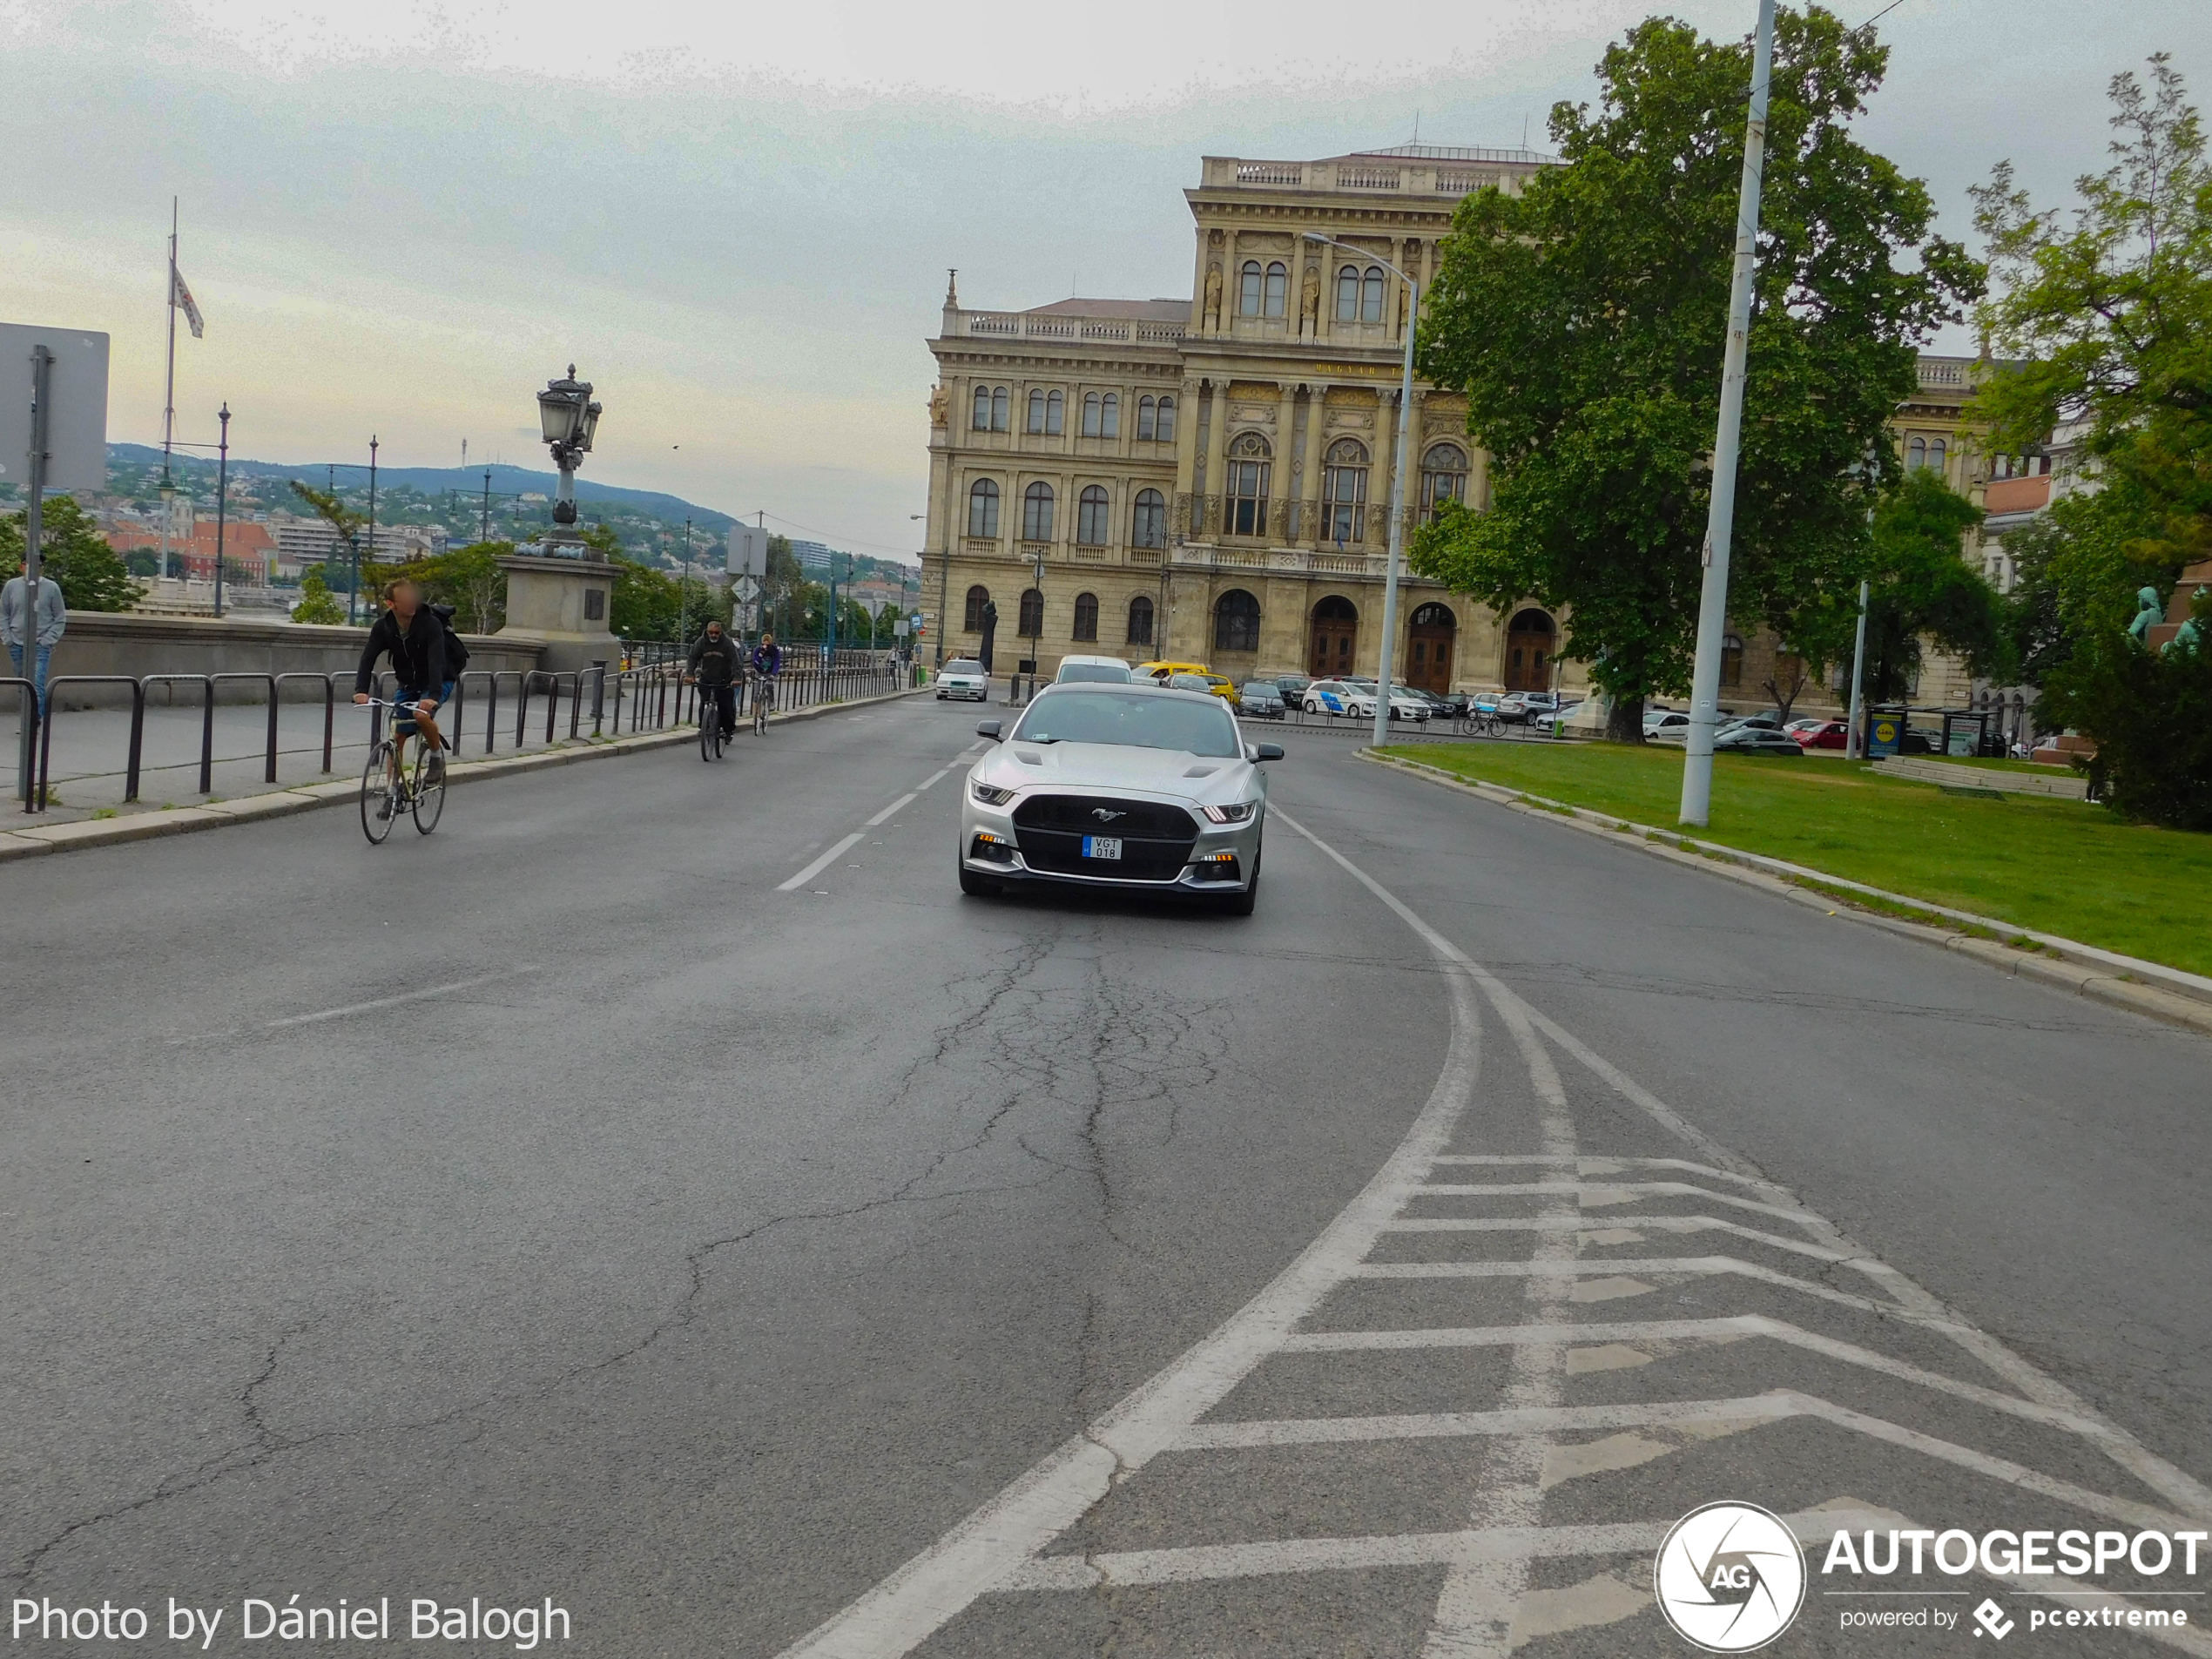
(941, 406)
(1212, 314)
(1309, 305)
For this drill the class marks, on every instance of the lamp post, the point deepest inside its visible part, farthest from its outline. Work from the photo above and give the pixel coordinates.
(222, 497)
(354, 598)
(568, 420)
(1397, 482)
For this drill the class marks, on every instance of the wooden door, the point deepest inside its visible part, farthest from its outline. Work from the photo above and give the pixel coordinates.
(1428, 663)
(1333, 642)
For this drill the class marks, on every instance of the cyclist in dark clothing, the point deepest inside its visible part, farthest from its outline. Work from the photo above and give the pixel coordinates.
(767, 658)
(714, 665)
(414, 636)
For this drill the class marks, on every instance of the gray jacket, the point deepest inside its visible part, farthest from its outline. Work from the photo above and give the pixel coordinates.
(53, 614)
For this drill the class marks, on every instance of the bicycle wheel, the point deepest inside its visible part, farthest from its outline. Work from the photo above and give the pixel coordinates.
(759, 712)
(378, 804)
(428, 786)
(710, 730)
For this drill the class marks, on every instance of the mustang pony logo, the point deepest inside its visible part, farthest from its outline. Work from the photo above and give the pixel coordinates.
(1104, 816)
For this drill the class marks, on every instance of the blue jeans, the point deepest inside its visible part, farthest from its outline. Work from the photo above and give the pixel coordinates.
(45, 656)
(403, 703)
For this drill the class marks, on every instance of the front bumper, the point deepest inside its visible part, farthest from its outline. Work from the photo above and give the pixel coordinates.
(990, 845)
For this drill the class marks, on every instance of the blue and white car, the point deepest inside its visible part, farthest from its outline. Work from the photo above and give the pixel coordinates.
(1328, 696)
(963, 678)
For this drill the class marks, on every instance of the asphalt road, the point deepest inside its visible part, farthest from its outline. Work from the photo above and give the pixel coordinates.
(570, 1206)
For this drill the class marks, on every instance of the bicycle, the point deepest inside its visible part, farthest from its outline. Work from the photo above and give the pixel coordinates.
(417, 787)
(1476, 722)
(711, 738)
(764, 698)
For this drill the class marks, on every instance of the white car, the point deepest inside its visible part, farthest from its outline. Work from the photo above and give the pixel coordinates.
(963, 676)
(1110, 671)
(1402, 705)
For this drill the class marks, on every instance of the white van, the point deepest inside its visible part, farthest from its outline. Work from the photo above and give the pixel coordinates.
(1112, 669)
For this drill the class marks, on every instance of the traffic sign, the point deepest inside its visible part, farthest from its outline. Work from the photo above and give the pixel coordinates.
(747, 589)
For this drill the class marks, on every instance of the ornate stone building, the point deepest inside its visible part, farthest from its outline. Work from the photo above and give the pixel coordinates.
(1208, 480)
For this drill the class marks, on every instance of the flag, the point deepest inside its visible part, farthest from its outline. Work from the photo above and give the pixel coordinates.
(181, 295)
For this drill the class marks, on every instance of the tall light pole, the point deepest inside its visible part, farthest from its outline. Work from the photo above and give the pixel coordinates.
(222, 497)
(1720, 522)
(1851, 739)
(1397, 477)
(569, 420)
(353, 598)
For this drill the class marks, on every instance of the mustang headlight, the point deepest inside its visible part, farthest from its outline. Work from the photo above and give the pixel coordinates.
(990, 794)
(1238, 813)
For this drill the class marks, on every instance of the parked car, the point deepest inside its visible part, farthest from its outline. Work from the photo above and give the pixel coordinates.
(1514, 705)
(1404, 705)
(1665, 726)
(1451, 704)
(1160, 671)
(1111, 670)
(963, 678)
(1804, 724)
(1755, 739)
(1822, 734)
(1440, 708)
(1542, 705)
(1328, 696)
(1262, 700)
(1292, 687)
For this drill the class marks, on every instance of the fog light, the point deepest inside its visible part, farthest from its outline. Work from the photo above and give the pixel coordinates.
(994, 848)
(1216, 867)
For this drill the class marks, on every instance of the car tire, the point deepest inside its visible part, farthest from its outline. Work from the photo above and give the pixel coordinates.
(1240, 904)
(978, 886)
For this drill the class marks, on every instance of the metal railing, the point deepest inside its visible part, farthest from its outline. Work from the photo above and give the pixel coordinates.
(648, 699)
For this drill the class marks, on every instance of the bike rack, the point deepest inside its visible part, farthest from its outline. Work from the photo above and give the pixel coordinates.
(36, 798)
(26, 716)
(207, 682)
(207, 754)
(329, 683)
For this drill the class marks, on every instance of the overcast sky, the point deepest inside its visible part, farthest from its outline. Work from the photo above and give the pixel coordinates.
(736, 221)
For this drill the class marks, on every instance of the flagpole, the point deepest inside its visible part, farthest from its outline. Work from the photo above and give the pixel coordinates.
(169, 394)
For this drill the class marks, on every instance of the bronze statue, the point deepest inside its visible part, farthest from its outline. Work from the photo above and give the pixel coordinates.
(2147, 615)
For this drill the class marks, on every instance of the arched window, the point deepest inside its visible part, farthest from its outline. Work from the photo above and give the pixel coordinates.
(1235, 622)
(1037, 512)
(1090, 414)
(1916, 454)
(1140, 621)
(1055, 407)
(1166, 433)
(1731, 659)
(981, 422)
(1936, 448)
(1348, 294)
(999, 409)
(1444, 478)
(1278, 286)
(1371, 295)
(983, 508)
(1032, 614)
(1248, 301)
(1434, 616)
(1147, 520)
(1244, 508)
(1093, 525)
(1086, 615)
(1145, 416)
(977, 598)
(1344, 492)
(1037, 408)
(1111, 417)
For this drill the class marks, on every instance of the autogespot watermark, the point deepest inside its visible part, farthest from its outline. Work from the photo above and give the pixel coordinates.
(1730, 1577)
(288, 1619)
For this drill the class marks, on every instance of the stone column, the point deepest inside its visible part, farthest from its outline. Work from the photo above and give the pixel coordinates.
(1379, 480)
(1186, 458)
(1279, 505)
(1316, 409)
(1217, 459)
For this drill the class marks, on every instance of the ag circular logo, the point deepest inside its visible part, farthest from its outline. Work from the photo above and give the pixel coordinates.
(1729, 1577)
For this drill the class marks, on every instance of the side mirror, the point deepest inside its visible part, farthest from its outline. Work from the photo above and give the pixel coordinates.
(990, 729)
(1267, 751)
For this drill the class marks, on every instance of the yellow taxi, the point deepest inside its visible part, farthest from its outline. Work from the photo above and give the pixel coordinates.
(1220, 684)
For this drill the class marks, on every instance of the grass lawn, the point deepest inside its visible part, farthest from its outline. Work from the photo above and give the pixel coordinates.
(2058, 866)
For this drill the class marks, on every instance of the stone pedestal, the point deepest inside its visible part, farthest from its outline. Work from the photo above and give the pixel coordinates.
(561, 605)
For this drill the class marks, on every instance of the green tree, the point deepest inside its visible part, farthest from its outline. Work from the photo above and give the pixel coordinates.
(74, 554)
(315, 603)
(338, 572)
(2077, 569)
(1919, 587)
(2150, 713)
(471, 580)
(2111, 308)
(1584, 319)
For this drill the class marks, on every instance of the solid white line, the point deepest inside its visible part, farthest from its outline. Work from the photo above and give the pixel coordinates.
(930, 780)
(819, 865)
(404, 996)
(985, 1551)
(893, 808)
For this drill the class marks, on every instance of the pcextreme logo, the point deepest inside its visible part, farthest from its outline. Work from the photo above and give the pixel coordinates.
(1729, 1577)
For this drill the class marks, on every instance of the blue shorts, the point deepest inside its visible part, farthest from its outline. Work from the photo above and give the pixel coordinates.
(403, 708)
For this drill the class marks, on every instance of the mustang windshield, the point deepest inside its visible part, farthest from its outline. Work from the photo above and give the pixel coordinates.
(1137, 719)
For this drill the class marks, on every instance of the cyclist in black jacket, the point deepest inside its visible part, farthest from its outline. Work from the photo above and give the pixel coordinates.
(414, 636)
(714, 665)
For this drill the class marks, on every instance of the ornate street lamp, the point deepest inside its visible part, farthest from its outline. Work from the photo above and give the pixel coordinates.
(570, 420)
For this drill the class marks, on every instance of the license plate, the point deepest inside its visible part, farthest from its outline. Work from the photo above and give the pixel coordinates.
(1102, 846)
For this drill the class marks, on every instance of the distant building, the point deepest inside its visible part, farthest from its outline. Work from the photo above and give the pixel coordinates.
(303, 542)
(814, 557)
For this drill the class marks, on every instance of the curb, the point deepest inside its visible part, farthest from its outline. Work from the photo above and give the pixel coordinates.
(2167, 994)
(280, 803)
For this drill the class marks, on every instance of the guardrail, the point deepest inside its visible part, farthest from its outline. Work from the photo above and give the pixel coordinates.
(651, 698)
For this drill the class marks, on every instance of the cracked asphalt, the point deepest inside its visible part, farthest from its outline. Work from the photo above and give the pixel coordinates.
(718, 1248)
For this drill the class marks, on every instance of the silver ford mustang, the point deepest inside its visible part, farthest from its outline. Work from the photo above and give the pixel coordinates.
(1131, 786)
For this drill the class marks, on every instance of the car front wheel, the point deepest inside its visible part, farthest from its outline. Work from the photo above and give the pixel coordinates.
(1240, 904)
(978, 886)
